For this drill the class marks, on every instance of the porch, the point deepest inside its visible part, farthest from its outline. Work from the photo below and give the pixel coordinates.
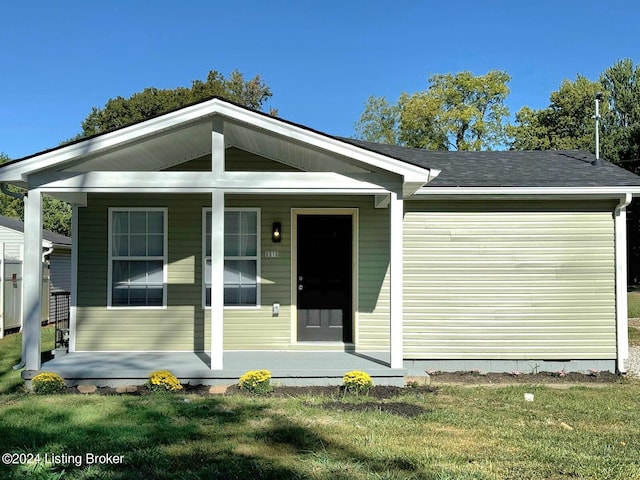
(287, 368)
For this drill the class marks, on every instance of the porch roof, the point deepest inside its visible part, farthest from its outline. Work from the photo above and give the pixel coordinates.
(186, 134)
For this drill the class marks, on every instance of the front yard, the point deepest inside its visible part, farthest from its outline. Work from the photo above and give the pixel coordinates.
(450, 433)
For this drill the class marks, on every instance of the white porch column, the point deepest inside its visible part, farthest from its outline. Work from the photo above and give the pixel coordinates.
(217, 279)
(217, 246)
(32, 280)
(73, 298)
(396, 214)
(622, 334)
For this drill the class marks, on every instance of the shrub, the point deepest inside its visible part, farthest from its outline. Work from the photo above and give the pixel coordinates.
(163, 381)
(47, 382)
(357, 382)
(256, 381)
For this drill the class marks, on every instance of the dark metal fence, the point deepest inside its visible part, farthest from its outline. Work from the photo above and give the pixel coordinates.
(59, 314)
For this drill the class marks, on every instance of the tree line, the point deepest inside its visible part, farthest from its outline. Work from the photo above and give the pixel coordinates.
(460, 111)
(467, 112)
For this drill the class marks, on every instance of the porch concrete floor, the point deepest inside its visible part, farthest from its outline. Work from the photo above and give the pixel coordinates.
(287, 368)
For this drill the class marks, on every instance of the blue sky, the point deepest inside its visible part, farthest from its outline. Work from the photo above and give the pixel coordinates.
(322, 60)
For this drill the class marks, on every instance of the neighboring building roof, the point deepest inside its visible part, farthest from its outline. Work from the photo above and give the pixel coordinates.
(539, 168)
(54, 239)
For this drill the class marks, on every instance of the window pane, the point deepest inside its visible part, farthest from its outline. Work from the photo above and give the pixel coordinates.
(207, 297)
(249, 223)
(231, 245)
(138, 272)
(232, 222)
(138, 245)
(247, 270)
(231, 272)
(239, 272)
(207, 234)
(120, 271)
(248, 294)
(120, 296)
(155, 222)
(207, 271)
(154, 296)
(138, 296)
(231, 296)
(155, 245)
(154, 272)
(249, 246)
(120, 245)
(120, 222)
(138, 222)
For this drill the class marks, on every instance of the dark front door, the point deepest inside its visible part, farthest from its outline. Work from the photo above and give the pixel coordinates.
(324, 278)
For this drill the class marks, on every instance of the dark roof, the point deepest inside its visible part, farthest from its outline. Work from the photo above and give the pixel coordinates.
(18, 226)
(539, 168)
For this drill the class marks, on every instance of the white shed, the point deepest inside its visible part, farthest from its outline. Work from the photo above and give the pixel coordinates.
(56, 251)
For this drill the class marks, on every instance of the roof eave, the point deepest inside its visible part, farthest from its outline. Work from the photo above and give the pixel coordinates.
(613, 191)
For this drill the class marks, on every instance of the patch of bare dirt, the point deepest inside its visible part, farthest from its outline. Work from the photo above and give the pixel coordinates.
(474, 377)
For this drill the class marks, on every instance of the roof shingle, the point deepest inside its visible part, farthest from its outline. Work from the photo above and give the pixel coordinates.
(539, 168)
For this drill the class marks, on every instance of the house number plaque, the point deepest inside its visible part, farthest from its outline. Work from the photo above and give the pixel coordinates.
(271, 254)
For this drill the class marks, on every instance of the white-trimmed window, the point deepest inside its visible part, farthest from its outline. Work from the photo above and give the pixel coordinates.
(137, 257)
(241, 257)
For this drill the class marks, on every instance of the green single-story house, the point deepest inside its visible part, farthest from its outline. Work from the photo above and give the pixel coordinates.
(215, 239)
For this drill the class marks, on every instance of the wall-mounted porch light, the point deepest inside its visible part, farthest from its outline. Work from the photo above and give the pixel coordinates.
(276, 233)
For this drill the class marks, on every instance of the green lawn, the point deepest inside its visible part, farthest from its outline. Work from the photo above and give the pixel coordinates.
(456, 433)
(633, 300)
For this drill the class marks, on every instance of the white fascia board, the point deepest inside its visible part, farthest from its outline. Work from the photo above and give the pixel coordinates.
(520, 192)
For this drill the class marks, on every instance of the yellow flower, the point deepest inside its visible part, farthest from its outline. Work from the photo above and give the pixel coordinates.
(164, 380)
(357, 382)
(256, 381)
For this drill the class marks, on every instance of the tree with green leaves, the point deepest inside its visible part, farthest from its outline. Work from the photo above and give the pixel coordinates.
(151, 102)
(621, 125)
(56, 214)
(461, 112)
(566, 124)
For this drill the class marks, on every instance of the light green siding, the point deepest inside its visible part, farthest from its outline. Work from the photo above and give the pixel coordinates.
(246, 329)
(506, 280)
(180, 326)
(184, 324)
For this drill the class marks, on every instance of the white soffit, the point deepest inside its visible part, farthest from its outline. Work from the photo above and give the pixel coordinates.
(156, 152)
(284, 150)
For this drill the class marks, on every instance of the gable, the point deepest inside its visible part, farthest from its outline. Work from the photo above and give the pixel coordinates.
(185, 135)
